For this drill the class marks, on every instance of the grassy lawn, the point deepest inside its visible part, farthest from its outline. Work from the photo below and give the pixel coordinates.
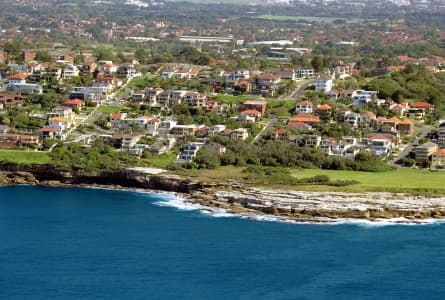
(24, 157)
(160, 161)
(399, 180)
(310, 19)
(404, 180)
(281, 108)
(236, 99)
(110, 109)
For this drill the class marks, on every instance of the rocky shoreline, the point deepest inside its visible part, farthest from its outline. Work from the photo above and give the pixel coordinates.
(236, 199)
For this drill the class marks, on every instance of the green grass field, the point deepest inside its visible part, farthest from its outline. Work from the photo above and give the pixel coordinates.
(402, 180)
(310, 19)
(160, 161)
(24, 157)
(110, 109)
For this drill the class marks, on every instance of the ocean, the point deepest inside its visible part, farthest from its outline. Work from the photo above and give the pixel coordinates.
(58, 243)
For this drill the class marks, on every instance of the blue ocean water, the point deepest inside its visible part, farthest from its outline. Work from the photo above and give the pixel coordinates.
(101, 244)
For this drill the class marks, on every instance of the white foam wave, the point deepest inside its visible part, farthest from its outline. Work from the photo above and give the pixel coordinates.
(181, 204)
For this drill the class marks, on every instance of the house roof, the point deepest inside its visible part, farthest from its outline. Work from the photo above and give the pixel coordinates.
(250, 112)
(279, 131)
(305, 117)
(57, 120)
(324, 107)
(440, 152)
(379, 137)
(108, 65)
(368, 114)
(407, 122)
(304, 103)
(296, 124)
(73, 102)
(49, 129)
(117, 116)
(18, 76)
(421, 104)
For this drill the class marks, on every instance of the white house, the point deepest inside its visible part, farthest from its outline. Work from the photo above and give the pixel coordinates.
(304, 107)
(323, 84)
(360, 98)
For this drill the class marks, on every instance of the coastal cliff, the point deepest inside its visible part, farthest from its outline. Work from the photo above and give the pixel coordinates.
(237, 199)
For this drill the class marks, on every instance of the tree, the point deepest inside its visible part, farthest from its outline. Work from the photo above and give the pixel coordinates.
(317, 63)
(44, 56)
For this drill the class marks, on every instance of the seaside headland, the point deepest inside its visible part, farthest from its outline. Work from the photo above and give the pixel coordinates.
(235, 198)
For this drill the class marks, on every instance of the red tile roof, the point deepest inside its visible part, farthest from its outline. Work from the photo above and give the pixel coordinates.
(18, 76)
(421, 104)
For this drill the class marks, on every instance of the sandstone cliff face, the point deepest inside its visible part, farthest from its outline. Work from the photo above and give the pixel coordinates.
(49, 175)
(18, 177)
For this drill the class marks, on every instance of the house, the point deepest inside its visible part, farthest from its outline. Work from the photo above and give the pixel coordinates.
(438, 160)
(267, 79)
(216, 130)
(343, 70)
(74, 103)
(118, 120)
(421, 105)
(162, 146)
(61, 112)
(324, 110)
(279, 134)
(265, 89)
(16, 140)
(239, 134)
(152, 126)
(323, 84)
(188, 152)
(441, 137)
(367, 119)
(215, 148)
(242, 87)
(313, 141)
(240, 75)
(306, 118)
(251, 113)
(244, 118)
(287, 73)
(360, 98)
(108, 68)
(380, 144)
(352, 119)
(194, 99)
(424, 152)
(406, 127)
(399, 109)
(18, 78)
(259, 106)
(327, 145)
(339, 149)
(61, 124)
(388, 125)
(9, 100)
(51, 133)
(165, 126)
(304, 107)
(305, 73)
(300, 126)
(151, 95)
(340, 114)
(184, 130)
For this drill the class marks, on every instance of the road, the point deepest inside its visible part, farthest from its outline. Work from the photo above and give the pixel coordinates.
(265, 129)
(300, 90)
(423, 133)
